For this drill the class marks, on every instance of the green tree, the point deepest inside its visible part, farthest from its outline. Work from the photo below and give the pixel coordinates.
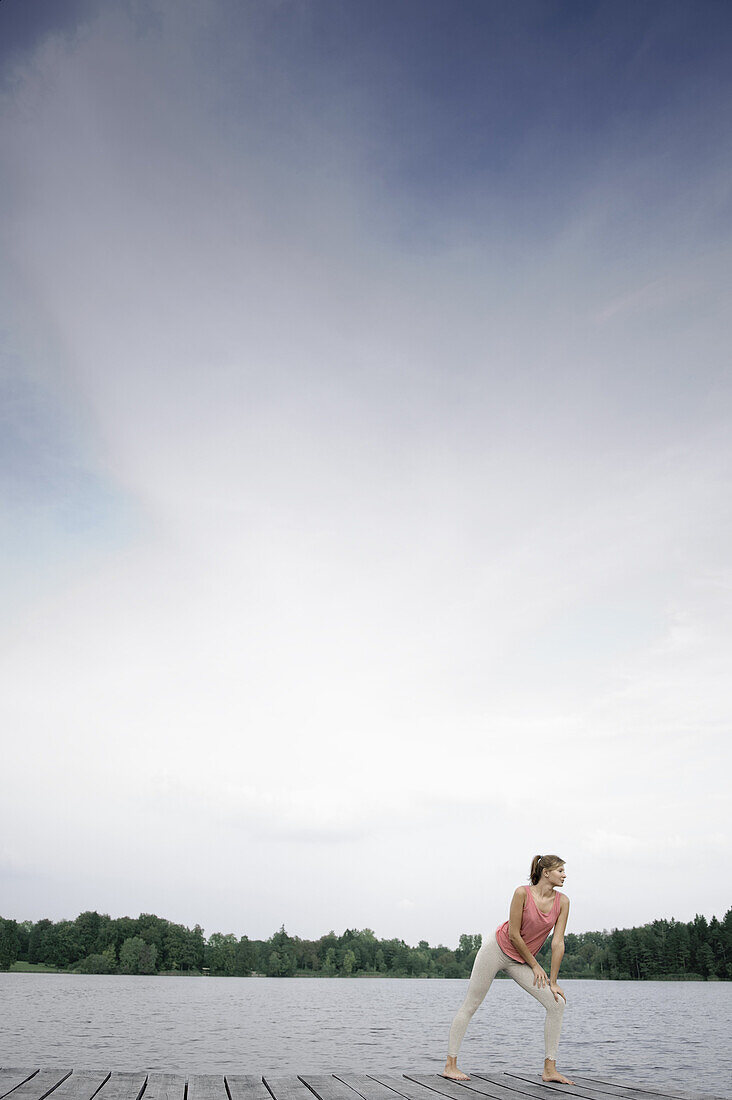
(110, 955)
(707, 962)
(64, 946)
(24, 931)
(717, 946)
(40, 941)
(365, 948)
(152, 930)
(88, 927)
(137, 957)
(467, 950)
(275, 966)
(329, 963)
(221, 953)
(196, 946)
(447, 965)
(659, 949)
(419, 963)
(244, 957)
(286, 950)
(123, 928)
(97, 964)
(307, 956)
(469, 944)
(9, 943)
(349, 961)
(178, 949)
(726, 943)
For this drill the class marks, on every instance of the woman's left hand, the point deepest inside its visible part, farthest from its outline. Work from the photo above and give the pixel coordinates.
(557, 992)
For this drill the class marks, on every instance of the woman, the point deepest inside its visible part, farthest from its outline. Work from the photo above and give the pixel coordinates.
(535, 910)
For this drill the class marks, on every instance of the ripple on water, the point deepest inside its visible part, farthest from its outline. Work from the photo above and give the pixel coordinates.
(258, 1025)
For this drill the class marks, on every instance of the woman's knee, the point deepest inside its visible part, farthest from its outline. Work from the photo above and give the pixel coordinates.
(556, 1008)
(472, 1004)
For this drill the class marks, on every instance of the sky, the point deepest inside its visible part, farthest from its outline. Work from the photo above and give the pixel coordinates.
(365, 452)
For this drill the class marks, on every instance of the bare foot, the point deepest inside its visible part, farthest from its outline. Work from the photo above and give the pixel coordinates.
(452, 1072)
(551, 1073)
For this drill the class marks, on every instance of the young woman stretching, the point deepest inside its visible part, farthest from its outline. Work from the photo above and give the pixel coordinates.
(535, 910)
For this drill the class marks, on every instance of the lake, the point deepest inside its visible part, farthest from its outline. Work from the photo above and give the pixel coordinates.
(670, 1033)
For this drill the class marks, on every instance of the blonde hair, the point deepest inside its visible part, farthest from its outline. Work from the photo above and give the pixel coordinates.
(543, 863)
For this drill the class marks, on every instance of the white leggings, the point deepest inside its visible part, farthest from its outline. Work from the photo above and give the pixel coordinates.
(489, 960)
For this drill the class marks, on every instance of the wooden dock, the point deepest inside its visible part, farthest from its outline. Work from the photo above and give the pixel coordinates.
(87, 1084)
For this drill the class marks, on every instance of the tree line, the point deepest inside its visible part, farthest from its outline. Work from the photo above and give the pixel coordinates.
(95, 943)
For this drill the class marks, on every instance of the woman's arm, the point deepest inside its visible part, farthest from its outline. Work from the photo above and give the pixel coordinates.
(558, 947)
(518, 901)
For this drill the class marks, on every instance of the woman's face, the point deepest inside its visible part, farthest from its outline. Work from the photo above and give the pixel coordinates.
(557, 875)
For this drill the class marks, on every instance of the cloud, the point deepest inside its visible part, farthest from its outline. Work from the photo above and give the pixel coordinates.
(668, 292)
(263, 812)
(661, 848)
(608, 844)
(388, 535)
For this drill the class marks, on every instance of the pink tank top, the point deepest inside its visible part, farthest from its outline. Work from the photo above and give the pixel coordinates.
(535, 927)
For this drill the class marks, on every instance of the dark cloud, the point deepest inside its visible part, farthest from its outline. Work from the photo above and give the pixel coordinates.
(25, 24)
(523, 100)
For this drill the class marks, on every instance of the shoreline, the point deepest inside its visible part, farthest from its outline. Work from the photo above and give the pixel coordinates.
(30, 968)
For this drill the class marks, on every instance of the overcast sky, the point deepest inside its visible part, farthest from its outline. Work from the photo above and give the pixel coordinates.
(366, 444)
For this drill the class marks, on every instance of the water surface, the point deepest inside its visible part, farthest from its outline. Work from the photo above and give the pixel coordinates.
(667, 1033)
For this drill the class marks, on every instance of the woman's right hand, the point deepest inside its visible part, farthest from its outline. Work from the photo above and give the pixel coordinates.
(540, 978)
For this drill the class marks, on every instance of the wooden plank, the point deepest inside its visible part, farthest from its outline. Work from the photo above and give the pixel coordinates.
(477, 1086)
(329, 1087)
(499, 1081)
(527, 1084)
(585, 1086)
(165, 1086)
(409, 1088)
(510, 1086)
(437, 1083)
(530, 1085)
(618, 1089)
(496, 1085)
(246, 1086)
(367, 1087)
(81, 1085)
(287, 1088)
(33, 1084)
(123, 1086)
(595, 1083)
(594, 1089)
(464, 1090)
(41, 1084)
(10, 1078)
(207, 1086)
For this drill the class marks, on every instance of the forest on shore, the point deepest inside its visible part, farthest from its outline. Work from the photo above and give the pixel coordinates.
(95, 943)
